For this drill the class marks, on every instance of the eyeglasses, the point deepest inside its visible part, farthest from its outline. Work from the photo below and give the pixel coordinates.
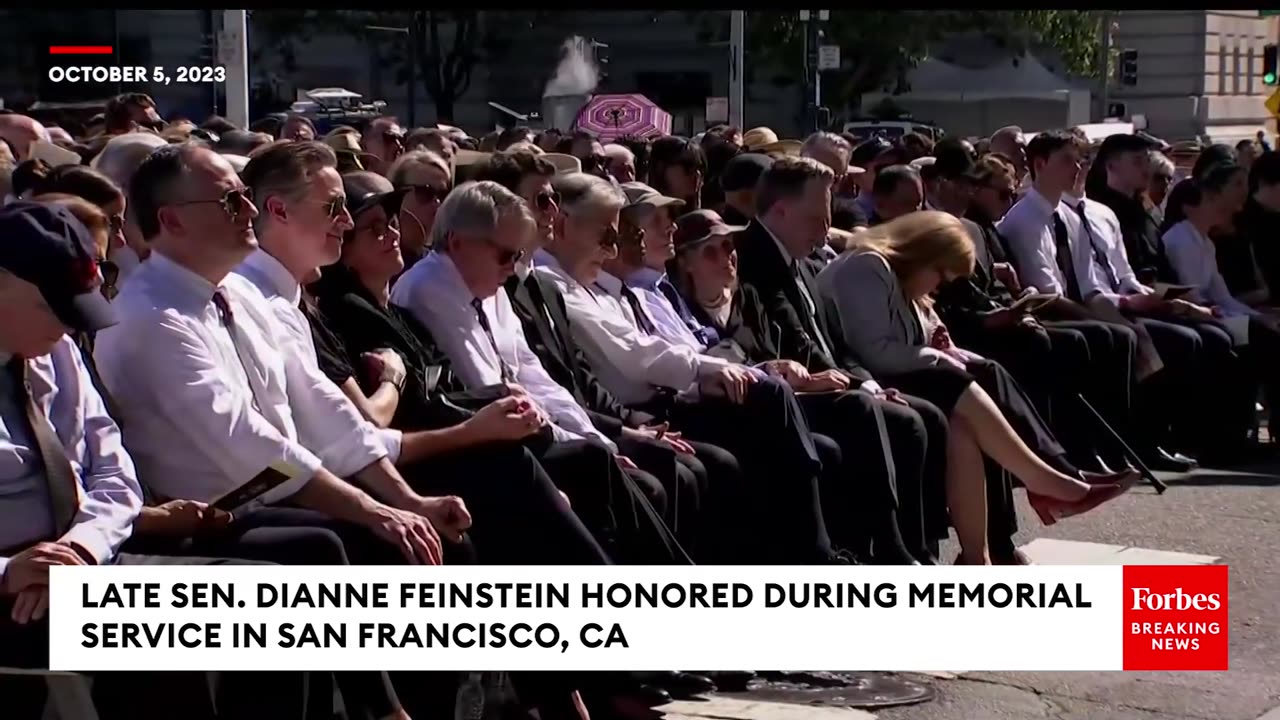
(427, 193)
(713, 250)
(234, 202)
(380, 229)
(504, 256)
(546, 200)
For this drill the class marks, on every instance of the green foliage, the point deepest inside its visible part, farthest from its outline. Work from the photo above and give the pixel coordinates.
(878, 48)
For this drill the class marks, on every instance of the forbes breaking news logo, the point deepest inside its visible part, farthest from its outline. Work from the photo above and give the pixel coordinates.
(1176, 618)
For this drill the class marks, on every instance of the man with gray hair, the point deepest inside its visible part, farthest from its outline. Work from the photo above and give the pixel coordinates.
(482, 231)
(733, 406)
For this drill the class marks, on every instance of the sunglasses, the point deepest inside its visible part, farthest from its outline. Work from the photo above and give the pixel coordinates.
(234, 202)
(426, 193)
(334, 206)
(505, 256)
(380, 229)
(544, 201)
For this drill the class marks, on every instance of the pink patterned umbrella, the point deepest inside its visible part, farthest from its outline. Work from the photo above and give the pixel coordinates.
(614, 116)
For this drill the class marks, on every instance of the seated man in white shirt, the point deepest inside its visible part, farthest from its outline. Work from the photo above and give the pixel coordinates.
(68, 491)
(300, 228)
(208, 399)
(456, 291)
(741, 409)
(1040, 247)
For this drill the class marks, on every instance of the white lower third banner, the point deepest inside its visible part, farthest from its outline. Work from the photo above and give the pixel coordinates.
(587, 618)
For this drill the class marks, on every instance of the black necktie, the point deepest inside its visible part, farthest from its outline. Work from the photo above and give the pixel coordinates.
(59, 475)
(642, 321)
(1065, 266)
(503, 367)
(1099, 255)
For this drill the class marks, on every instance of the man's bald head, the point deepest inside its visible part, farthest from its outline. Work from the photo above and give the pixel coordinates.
(22, 133)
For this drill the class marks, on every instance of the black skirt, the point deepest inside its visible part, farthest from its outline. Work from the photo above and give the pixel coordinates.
(941, 385)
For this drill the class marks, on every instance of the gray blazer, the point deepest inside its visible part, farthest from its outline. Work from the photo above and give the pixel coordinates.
(881, 327)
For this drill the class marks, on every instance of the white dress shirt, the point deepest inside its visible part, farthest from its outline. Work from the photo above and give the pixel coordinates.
(198, 425)
(433, 290)
(109, 496)
(1028, 227)
(666, 320)
(1195, 261)
(629, 363)
(1109, 239)
(282, 295)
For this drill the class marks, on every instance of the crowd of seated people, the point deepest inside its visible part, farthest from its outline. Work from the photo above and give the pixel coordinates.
(540, 349)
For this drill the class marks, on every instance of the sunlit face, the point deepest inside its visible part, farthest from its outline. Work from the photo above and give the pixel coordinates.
(1060, 170)
(297, 129)
(544, 201)
(115, 212)
(623, 168)
(659, 237)
(1130, 171)
(30, 329)
(317, 221)
(373, 250)
(585, 241)
(711, 266)
(486, 259)
(808, 217)
(683, 181)
(429, 184)
(214, 212)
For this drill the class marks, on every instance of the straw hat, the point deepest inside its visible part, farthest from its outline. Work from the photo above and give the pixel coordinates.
(765, 140)
(564, 164)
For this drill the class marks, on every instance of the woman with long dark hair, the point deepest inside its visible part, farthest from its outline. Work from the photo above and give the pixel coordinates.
(677, 167)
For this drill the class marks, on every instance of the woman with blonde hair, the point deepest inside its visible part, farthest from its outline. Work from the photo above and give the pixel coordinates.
(880, 290)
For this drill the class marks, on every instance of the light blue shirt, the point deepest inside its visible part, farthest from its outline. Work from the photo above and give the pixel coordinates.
(109, 495)
(667, 322)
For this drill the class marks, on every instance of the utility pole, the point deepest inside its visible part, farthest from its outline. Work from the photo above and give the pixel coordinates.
(1104, 65)
(411, 56)
(812, 75)
(235, 31)
(737, 71)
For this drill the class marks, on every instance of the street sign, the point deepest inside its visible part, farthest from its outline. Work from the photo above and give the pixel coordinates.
(1268, 13)
(829, 57)
(717, 109)
(1273, 103)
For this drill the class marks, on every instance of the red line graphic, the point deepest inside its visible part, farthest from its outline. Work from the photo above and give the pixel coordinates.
(80, 50)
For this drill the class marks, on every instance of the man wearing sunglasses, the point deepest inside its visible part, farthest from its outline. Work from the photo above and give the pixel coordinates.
(383, 139)
(744, 411)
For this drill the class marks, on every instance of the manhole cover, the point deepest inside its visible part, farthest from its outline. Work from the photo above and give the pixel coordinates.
(837, 689)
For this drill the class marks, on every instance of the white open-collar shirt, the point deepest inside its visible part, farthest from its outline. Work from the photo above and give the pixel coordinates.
(434, 291)
(192, 421)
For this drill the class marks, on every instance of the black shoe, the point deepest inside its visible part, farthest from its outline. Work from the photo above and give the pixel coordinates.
(1161, 459)
(840, 557)
(681, 685)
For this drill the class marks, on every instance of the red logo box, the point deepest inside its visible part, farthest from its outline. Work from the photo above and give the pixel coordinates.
(1175, 617)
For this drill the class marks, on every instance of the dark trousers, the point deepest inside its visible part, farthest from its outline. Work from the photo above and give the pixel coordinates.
(116, 694)
(1224, 392)
(1165, 400)
(877, 492)
(770, 438)
(673, 482)
(1111, 347)
(610, 502)
(518, 517)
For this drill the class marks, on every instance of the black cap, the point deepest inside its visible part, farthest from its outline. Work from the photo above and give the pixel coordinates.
(743, 171)
(361, 198)
(870, 149)
(45, 245)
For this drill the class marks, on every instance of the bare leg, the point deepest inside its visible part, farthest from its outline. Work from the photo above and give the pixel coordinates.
(967, 493)
(999, 441)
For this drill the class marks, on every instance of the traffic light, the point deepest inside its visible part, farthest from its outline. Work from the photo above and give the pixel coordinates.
(1269, 70)
(1129, 67)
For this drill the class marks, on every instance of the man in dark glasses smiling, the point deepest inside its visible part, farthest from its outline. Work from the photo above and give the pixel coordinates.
(383, 139)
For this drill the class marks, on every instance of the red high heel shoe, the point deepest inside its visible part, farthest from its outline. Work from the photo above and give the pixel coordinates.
(1051, 510)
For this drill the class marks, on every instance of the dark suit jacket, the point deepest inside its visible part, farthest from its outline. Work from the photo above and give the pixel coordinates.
(962, 302)
(542, 313)
(745, 337)
(762, 266)
(433, 397)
